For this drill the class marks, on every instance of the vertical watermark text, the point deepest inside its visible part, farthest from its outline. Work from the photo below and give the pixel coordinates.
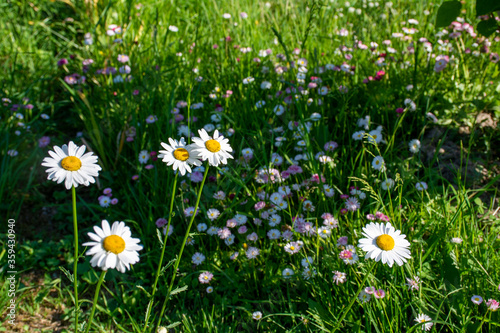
(11, 272)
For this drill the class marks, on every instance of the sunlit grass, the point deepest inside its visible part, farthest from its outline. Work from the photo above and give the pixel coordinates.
(233, 73)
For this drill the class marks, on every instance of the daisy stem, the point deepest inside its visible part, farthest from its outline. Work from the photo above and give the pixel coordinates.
(176, 265)
(96, 295)
(150, 305)
(75, 262)
(353, 299)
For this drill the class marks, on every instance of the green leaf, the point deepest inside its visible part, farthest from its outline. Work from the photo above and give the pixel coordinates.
(487, 28)
(450, 269)
(178, 290)
(177, 323)
(447, 13)
(144, 290)
(160, 237)
(479, 205)
(170, 263)
(67, 273)
(479, 104)
(484, 7)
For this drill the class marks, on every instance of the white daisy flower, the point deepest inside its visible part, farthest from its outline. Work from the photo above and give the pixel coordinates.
(247, 153)
(421, 186)
(214, 149)
(113, 247)
(252, 252)
(279, 110)
(385, 243)
(68, 164)
(375, 136)
(240, 219)
(357, 136)
(265, 85)
(364, 297)
(213, 214)
(143, 157)
(287, 273)
(197, 258)
(257, 315)
(324, 232)
(378, 163)
(274, 234)
(306, 261)
(308, 273)
(424, 319)
(179, 155)
(387, 184)
(104, 201)
(414, 146)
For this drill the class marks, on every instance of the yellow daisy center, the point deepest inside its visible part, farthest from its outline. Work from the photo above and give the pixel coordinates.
(212, 145)
(292, 248)
(71, 163)
(114, 244)
(181, 154)
(385, 242)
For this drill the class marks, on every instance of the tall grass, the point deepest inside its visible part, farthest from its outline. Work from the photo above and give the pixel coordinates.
(165, 67)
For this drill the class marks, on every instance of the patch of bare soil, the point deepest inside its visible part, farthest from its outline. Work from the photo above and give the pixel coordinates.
(47, 317)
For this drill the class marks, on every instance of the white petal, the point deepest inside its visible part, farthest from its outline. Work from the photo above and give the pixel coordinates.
(61, 151)
(94, 237)
(69, 181)
(105, 228)
(79, 153)
(111, 260)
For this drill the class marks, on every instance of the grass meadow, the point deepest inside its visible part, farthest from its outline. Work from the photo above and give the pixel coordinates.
(279, 166)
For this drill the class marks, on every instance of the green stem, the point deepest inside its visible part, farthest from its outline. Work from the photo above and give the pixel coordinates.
(482, 322)
(176, 265)
(96, 295)
(361, 287)
(150, 305)
(75, 262)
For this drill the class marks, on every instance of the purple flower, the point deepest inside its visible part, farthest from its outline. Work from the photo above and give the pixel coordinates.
(44, 141)
(125, 69)
(196, 177)
(62, 62)
(259, 205)
(161, 222)
(70, 79)
(342, 241)
(224, 233)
